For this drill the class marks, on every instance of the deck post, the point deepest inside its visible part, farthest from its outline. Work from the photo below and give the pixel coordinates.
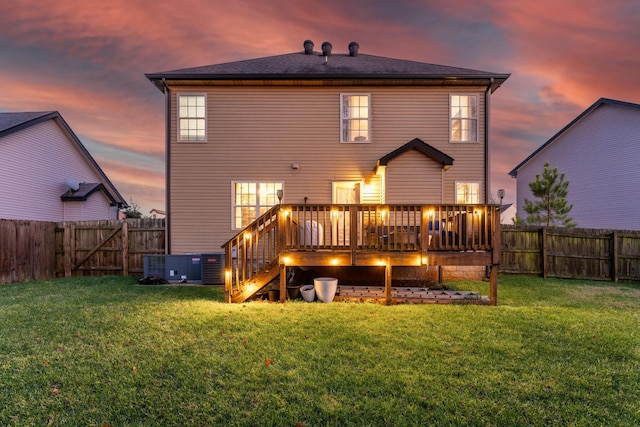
(493, 285)
(283, 282)
(387, 281)
(353, 232)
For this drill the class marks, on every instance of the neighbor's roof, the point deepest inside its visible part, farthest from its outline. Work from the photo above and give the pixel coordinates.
(85, 189)
(598, 103)
(339, 68)
(13, 122)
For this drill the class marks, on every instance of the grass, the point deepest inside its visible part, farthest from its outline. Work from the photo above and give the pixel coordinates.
(106, 352)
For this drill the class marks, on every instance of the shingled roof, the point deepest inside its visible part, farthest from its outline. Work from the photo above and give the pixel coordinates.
(324, 66)
(12, 122)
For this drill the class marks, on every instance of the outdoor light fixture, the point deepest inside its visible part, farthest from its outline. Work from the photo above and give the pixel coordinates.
(280, 194)
(501, 194)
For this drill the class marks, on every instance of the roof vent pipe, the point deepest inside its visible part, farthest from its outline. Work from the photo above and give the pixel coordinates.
(353, 48)
(326, 49)
(308, 47)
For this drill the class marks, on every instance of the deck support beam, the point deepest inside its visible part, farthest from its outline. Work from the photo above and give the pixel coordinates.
(493, 285)
(388, 276)
(283, 283)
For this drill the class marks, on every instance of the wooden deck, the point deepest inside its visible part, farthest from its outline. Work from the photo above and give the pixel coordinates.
(360, 235)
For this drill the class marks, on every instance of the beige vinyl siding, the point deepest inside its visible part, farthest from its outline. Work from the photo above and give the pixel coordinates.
(371, 191)
(256, 133)
(413, 177)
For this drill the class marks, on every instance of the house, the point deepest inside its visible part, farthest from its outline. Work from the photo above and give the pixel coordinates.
(46, 174)
(508, 213)
(157, 213)
(598, 152)
(313, 129)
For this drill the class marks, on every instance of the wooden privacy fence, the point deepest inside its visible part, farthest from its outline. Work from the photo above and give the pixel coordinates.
(36, 250)
(590, 254)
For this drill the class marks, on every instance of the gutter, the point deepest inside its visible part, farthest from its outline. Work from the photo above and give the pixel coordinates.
(167, 162)
(487, 173)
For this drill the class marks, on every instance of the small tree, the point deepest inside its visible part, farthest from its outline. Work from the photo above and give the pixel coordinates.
(133, 211)
(551, 208)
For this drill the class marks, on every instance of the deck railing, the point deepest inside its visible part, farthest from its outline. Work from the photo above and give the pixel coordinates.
(254, 251)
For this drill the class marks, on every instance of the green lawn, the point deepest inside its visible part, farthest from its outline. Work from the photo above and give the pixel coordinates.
(107, 352)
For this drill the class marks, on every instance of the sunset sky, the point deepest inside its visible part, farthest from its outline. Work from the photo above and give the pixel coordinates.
(87, 59)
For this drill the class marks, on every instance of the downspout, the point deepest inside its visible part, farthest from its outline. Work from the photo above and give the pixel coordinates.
(487, 173)
(167, 172)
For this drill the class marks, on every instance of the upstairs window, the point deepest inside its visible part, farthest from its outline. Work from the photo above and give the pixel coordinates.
(191, 118)
(354, 113)
(464, 118)
(467, 193)
(252, 199)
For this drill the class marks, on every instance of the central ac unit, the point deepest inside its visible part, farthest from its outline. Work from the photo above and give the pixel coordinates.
(180, 268)
(154, 266)
(213, 269)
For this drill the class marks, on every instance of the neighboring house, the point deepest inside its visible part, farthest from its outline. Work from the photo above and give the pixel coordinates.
(46, 173)
(508, 213)
(157, 213)
(598, 152)
(318, 128)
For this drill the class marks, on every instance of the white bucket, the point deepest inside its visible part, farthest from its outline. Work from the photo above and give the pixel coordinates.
(308, 293)
(326, 288)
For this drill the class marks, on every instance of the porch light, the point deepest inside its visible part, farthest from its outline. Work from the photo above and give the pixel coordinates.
(247, 235)
(286, 260)
(384, 214)
(335, 261)
(425, 260)
(381, 262)
(367, 187)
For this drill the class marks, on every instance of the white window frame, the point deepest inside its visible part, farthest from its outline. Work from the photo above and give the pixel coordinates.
(345, 119)
(471, 197)
(264, 200)
(193, 115)
(464, 119)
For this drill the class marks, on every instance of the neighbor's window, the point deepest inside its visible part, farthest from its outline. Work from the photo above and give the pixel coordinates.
(354, 113)
(252, 199)
(464, 118)
(191, 118)
(467, 192)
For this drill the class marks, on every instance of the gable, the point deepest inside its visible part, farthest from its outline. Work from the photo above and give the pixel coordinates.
(11, 123)
(423, 148)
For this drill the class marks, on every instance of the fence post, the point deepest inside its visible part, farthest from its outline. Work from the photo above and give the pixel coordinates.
(614, 256)
(543, 251)
(69, 247)
(125, 248)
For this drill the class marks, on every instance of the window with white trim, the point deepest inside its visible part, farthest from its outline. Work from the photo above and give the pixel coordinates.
(467, 193)
(464, 118)
(252, 199)
(192, 122)
(354, 118)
